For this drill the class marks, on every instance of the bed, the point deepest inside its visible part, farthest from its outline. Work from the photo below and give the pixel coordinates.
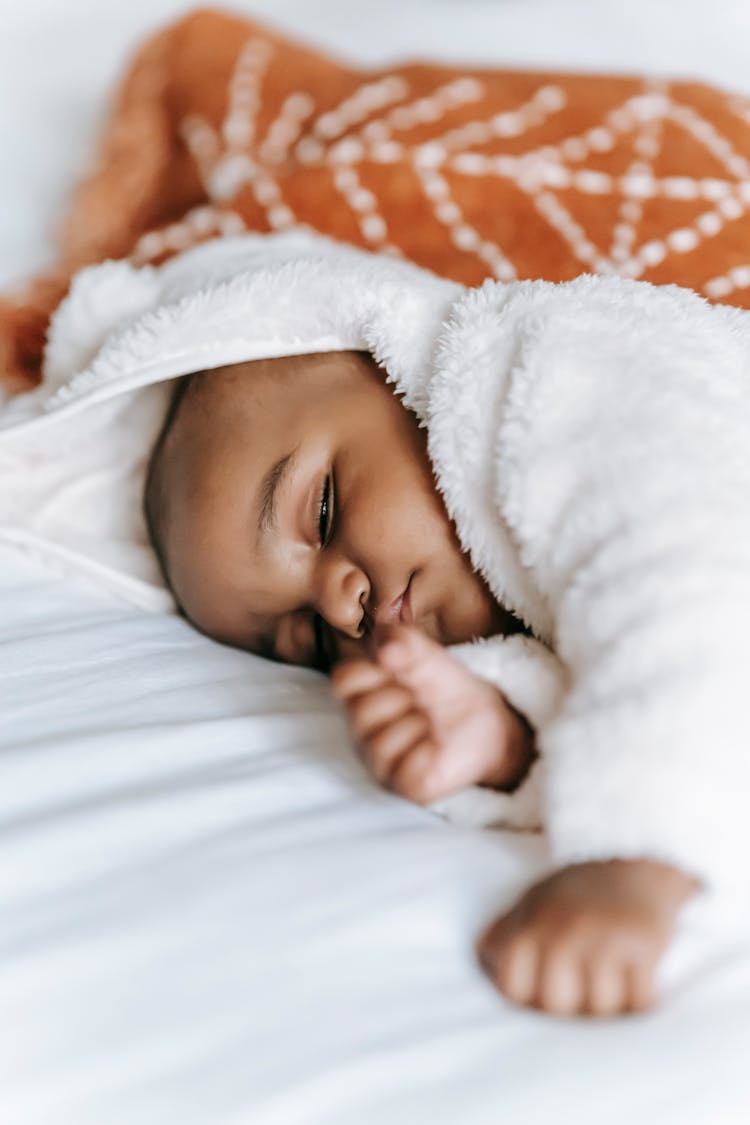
(207, 912)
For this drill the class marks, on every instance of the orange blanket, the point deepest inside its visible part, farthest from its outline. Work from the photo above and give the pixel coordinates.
(221, 125)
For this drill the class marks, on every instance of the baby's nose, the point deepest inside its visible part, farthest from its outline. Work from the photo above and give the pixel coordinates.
(342, 598)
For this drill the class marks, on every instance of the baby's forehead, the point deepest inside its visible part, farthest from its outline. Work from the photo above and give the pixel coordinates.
(216, 406)
(288, 376)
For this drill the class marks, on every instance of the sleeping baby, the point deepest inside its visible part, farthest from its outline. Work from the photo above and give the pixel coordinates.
(571, 477)
(296, 514)
(511, 522)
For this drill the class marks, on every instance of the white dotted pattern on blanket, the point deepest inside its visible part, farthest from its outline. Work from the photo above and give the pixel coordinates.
(369, 125)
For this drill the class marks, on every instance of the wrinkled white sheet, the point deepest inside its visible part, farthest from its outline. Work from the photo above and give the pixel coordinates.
(207, 913)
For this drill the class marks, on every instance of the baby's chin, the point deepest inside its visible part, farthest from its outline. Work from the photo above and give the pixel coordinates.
(492, 620)
(448, 629)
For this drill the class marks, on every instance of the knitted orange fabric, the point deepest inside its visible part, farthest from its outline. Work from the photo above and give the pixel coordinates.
(221, 125)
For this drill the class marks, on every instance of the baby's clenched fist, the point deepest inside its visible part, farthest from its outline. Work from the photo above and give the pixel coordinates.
(587, 940)
(426, 726)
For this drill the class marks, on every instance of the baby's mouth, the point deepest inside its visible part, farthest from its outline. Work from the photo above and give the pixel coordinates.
(398, 609)
(405, 615)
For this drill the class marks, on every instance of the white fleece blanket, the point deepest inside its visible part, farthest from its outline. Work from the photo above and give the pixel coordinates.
(590, 441)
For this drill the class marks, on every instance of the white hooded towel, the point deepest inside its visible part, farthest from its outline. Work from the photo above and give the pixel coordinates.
(590, 441)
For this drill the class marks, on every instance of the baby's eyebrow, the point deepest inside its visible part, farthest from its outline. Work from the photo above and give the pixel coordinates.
(269, 490)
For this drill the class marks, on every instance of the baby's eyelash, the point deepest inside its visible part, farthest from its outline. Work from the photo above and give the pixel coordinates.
(325, 517)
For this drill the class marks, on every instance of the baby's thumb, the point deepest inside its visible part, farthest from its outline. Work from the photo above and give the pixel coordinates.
(403, 649)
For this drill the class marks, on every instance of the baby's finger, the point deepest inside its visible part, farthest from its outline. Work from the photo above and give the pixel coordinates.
(492, 942)
(606, 987)
(640, 991)
(560, 989)
(371, 710)
(405, 651)
(383, 751)
(418, 774)
(517, 969)
(353, 677)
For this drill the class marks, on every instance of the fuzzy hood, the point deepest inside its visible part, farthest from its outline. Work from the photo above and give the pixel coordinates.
(73, 453)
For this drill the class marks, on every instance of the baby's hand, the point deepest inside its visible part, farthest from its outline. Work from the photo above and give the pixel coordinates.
(588, 939)
(426, 726)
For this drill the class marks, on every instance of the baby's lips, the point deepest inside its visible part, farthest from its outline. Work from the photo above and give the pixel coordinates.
(397, 609)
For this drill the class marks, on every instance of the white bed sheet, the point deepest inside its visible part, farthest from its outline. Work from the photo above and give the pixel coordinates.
(207, 913)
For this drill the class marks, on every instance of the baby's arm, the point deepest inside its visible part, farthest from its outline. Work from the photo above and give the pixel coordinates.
(427, 727)
(584, 941)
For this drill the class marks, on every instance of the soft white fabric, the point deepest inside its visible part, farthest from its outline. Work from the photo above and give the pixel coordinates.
(590, 441)
(210, 916)
(73, 452)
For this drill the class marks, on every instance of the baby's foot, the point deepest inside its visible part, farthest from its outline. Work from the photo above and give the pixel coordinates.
(588, 939)
(426, 726)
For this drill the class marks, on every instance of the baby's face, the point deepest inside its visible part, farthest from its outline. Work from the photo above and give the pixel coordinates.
(303, 513)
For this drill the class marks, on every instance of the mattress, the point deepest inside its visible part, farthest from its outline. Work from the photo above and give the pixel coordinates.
(208, 914)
